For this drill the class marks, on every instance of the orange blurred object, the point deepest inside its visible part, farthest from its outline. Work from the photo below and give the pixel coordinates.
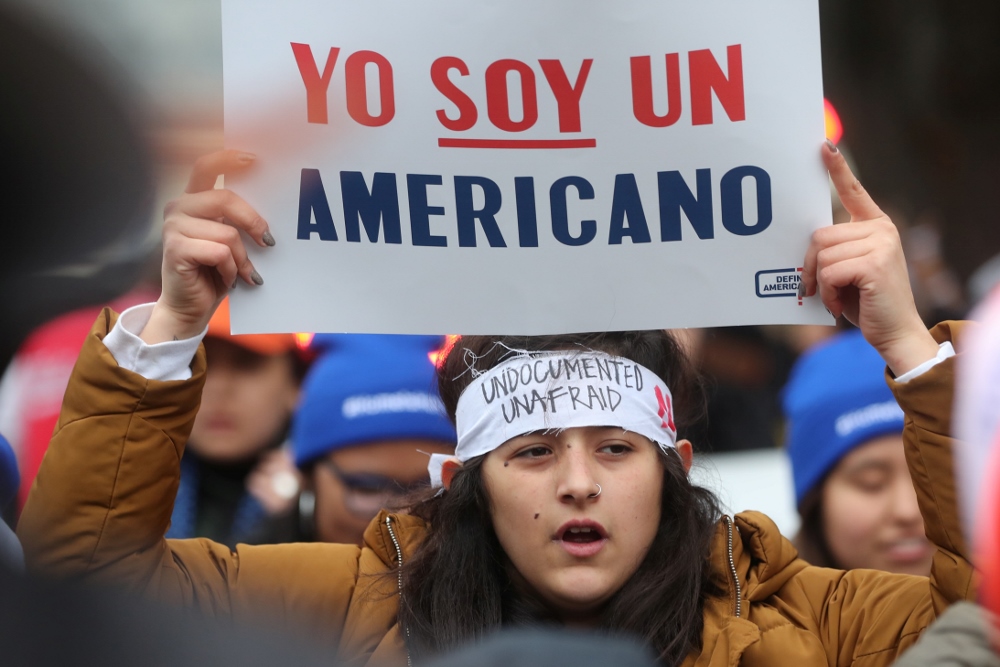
(269, 344)
(304, 340)
(437, 357)
(834, 128)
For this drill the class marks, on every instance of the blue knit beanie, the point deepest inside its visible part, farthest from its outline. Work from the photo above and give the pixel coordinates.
(367, 388)
(10, 478)
(836, 399)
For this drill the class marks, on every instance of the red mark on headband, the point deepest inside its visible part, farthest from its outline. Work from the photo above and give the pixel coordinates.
(448, 470)
(665, 412)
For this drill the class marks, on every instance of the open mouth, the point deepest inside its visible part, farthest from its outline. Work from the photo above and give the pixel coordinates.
(581, 535)
(581, 539)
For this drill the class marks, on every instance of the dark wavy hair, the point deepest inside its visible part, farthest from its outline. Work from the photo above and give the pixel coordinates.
(457, 587)
(811, 538)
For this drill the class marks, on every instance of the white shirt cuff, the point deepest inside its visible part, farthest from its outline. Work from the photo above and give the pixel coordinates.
(945, 351)
(163, 361)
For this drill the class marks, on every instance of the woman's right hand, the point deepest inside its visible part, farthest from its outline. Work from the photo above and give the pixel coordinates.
(203, 252)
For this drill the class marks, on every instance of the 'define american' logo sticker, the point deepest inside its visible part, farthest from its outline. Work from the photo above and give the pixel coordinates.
(779, 282)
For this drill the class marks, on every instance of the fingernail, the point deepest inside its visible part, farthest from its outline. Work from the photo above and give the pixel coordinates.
(255, 277)
(246, 157)
(267, 238)
(830, 312)
(802, 289)
(833, 146)
(235, 283)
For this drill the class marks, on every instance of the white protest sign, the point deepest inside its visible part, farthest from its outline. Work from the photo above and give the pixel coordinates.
(519, 166)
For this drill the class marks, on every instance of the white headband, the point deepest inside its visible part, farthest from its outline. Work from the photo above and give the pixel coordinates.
(552, 391)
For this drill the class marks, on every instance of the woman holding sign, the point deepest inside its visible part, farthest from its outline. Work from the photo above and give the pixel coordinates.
(568, 500)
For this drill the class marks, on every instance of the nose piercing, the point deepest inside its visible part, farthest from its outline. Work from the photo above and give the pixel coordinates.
(599, 490)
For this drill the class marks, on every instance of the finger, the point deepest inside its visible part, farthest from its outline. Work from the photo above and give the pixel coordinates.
(217, 232)
(830, 286)
(842, 252)
(204, 253)
(852, 194)
(823, 238)
(224, 204)
(208, 168)
(832, 235)
(836, 278)
(830, 296)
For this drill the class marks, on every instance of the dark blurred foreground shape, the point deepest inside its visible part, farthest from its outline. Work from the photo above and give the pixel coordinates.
(43, 625)
(552, 648)
(77, 181)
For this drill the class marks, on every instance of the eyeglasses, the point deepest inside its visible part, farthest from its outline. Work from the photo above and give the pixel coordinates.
(367, 493)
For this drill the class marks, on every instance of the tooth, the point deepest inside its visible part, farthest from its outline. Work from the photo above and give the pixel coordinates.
(574, 530)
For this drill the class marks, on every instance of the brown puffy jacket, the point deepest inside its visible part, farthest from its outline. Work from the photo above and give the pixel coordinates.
(102, 502)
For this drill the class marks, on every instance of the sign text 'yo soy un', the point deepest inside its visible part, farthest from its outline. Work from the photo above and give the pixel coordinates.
(375, 205)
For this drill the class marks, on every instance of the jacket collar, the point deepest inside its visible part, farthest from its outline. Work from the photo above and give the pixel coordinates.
(767, 559)
(388, 529)
(763, 558)
(763, 561)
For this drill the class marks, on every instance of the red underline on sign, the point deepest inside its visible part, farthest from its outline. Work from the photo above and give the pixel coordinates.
(517, 143)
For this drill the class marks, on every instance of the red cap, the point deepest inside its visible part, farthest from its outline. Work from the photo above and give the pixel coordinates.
(267, 344)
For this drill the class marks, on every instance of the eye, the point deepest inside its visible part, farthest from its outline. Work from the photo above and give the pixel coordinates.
(533, 452)
(870, 481)
(616, 448)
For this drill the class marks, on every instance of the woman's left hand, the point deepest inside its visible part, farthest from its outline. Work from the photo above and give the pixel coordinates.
(860, 273)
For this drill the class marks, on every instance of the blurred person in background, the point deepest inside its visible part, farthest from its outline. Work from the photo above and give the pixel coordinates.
(32, 386)
(937, 290)
(236, 474)
(369, 419)
(845, 440)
